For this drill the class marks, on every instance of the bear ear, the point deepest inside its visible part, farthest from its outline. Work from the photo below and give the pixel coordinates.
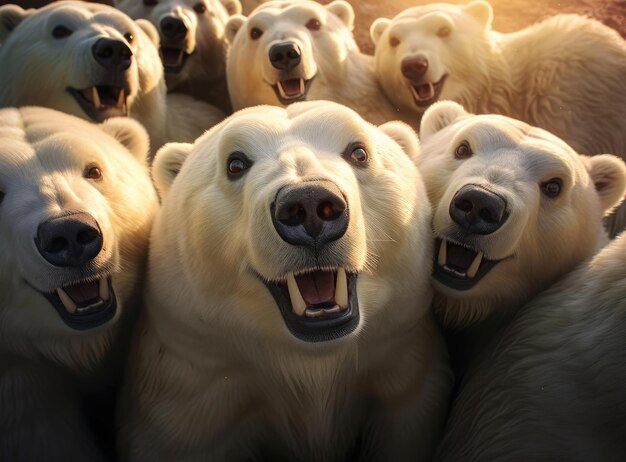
(439, 116)
(404, 135)
(10, 17)
(343, 10)
(378, 28)
(608, 173)
(232, 6)
(481, 10)
(167, 163)
(150, 31)
(131, 134)
(233, 25)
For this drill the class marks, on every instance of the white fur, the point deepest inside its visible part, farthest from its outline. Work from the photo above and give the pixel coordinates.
(45, 364)
(217, 375)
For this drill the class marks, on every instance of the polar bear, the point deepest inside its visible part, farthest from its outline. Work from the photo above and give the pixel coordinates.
(76, 208)
(552, 386)
(193, 48)
(515, 208)
(290, 260)
(97, 63)
(564, 74)
(293, 50)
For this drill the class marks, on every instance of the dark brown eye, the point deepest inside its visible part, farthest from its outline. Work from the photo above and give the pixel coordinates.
(552, 188)
(313, 24)
(357, 155)
(150, 2)
(93, 173)
(463, 151)
(394, 42)
(199, 8)
(129, 37)
(60, 32)
(443, 32)
(255, 33)
(237, 164)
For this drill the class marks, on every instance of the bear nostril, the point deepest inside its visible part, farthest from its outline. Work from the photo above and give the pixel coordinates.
(87, 236)
(464, 205)
(328, 211)
(292, 216)
(486, 215)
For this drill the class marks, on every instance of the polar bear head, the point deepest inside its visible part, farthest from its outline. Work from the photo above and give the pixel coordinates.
(514, 208)
(432, 52)
(76, 206)
(292, 225)
(191, 32)
(284, 48)
(95, 62)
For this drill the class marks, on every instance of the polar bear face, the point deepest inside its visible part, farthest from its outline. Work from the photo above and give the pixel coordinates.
(295, 225)
(514, 208)
(285, 48)
(429, 53)
(94, 61)
(75, 212)
(191, 32)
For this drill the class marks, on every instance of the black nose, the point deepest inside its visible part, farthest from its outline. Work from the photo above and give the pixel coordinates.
(71, 240)
(112, 54)
(478, 210)
(310, 214)
(285, 56)
(173, 28)
(414, 68)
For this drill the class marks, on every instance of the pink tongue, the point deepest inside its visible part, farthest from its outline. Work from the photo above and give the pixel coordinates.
(423, 91)
(291, 87)
(317, 287)
(81, 293)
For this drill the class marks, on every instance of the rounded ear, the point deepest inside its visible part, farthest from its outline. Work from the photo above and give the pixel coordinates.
(232, 6)
(167, 163)
(439, 116)
(481, 10)
(150, 30)
(404, 135)
(233, 25)
(608, 173)
(378, 28)
(131, 134)
(10, 17)
(343, 10)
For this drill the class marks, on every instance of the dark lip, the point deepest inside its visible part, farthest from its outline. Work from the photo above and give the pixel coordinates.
(456, 282)
(93, 319)
(286, 102)
(427, 102)
(317, 330)
(105, 112)
(174, 69)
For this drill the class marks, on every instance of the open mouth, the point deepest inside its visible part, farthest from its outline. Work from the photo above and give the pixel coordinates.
(425, 94)
(460, 267)
(174, 59)
(291, 90)
(318, 306)
(85, 305)
(102, 101)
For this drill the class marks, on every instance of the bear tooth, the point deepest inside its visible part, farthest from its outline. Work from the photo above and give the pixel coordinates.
(297, 302)
(104, 289)
(431, 90)
(473, 269)
(68, 303)
(120, 98)
(96, 97)
(443, 253)
(302, 86)
(341, 288)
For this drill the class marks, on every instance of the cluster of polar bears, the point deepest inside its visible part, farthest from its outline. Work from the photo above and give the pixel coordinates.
(385, 258)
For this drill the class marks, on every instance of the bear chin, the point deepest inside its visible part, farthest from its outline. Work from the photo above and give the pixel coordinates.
(314, 317)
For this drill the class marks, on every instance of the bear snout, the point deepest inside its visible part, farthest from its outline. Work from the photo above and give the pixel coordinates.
(414, 68)
(285, 56)
(112, 54)
(478, 210)
(310, 214)
(69, 240)
(173, 30)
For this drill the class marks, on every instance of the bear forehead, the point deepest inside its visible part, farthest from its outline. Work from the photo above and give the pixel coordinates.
(432, 8)
(82, 12)
(286, 9)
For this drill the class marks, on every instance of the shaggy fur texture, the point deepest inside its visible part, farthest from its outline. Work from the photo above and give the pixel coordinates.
(47, 367)
(217, 375)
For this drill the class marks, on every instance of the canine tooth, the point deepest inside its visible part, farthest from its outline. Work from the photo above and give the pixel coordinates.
(473, 269)
(431, 88)
(121, 98)
(302, 86)
(104, 289)
(69, 305)
(281, 90)
(96, 97)
(297, 302)
(341, 288)
(443, 253)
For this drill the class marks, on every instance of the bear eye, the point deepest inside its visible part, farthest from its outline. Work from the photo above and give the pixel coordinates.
(443, 32)
(394, 42)
(129, 37)
(463, 151)
(255, 33)
(199, 8)
(357, 155)
(237, 165)
(60, 32)
(93, 172)
(313, 24)
(552, 187)
(150, 2)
